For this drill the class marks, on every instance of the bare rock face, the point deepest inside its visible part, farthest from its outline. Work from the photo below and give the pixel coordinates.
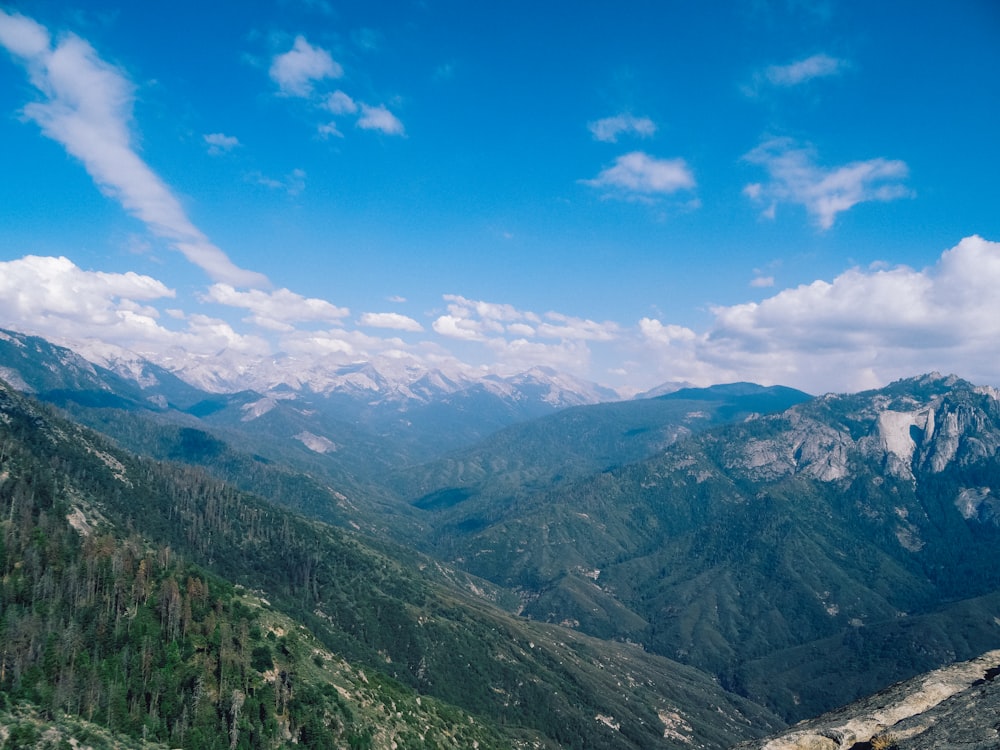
(957, 707)
(932, 423)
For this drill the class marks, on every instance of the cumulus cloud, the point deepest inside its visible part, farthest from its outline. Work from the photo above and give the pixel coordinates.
(340, 103)
(295, 71)
(86, 106)
(864, 328)
(558, 326)
(795, 177)
(220, 143)
(638, 173)
(53, 297)
(480, 320)
(609, 128)
(522, 338)
(390, 320)
(381, 119)
(34, 287)
(276, 310)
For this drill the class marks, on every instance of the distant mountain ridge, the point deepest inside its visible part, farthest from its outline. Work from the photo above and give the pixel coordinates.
(413, 409)
(378, 380)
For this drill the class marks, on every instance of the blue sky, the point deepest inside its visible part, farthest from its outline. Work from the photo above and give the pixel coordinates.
(635, 192)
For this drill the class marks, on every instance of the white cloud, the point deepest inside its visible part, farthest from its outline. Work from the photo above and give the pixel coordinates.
(520, 339)
(823, 191)
(390, 320)
(295, 71)
(23, 36)
(340, 103)
(609, 128)
(801, 71)
(276, 310)
(86, 106)
(567, 327)
(36, 287)
(220, 143)
(381, 119)
(762, 281)
(638, 173)
(54, 298)
(864, 328)
(455, 327)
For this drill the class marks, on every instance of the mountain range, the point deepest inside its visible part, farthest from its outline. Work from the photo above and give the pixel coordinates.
(778, 554)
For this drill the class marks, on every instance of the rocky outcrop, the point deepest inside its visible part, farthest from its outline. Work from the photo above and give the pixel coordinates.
(931, 423)
(957, 706)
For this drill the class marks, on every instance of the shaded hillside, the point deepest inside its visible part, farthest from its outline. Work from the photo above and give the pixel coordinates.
(139, 559)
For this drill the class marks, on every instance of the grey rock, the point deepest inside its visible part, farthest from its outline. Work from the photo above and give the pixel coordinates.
(956, 707)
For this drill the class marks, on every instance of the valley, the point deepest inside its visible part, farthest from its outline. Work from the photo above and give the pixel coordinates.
(516, 563)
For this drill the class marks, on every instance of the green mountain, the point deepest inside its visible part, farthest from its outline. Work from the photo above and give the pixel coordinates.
(577, 442)
(804, 558)
(153, 602)
(795, 552)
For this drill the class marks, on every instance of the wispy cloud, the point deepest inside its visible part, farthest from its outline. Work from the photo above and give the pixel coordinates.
(638, 173)
(220, 143)
(825, 192)
(86, 106)
(293, 183)
(801, 71)
(796, 73)
(295, 71)
(391, 320)
(609, 128)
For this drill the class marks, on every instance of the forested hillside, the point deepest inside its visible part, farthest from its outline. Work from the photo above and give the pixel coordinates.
(156, 602)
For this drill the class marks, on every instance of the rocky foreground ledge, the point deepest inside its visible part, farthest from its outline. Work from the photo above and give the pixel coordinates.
(955, 707)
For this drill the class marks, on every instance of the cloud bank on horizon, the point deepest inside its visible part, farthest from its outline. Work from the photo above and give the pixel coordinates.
(861, 326)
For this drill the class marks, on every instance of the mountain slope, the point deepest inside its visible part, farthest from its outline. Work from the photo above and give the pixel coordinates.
(582, 440)
(99, 541)
(350, 426)
(956, 706)
(841, 515)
